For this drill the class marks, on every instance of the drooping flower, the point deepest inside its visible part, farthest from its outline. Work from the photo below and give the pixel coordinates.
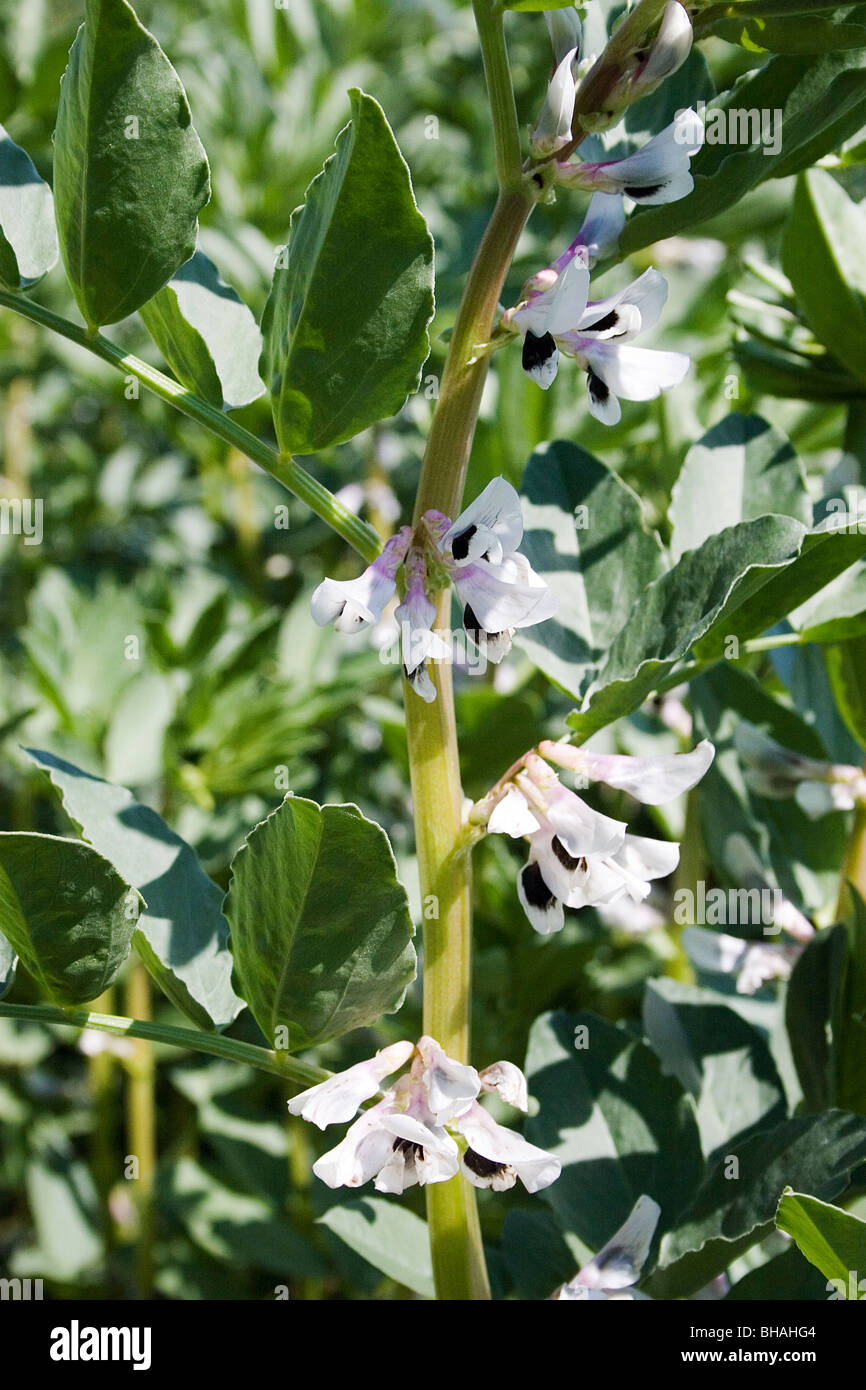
(618, 1265)
(774, 771)
(753, 963)
(660, 172)
(496, 585)
(358, 603)
(596, 334)
(578, 857)
(411, 1135)
(416, 615)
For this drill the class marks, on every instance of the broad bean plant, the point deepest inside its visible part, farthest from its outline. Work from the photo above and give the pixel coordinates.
(626, 615)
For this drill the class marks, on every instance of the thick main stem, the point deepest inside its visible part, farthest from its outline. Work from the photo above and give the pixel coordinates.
(455, 1234)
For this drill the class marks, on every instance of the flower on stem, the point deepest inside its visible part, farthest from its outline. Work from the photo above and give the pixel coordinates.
(658, 173)
(578, 857)
(670, 48)
(618, 1265)
(496, 585)
(553, 130)
(416, 615)
(357, 603)
(411, 1135)
(554, 316)
(776, 772)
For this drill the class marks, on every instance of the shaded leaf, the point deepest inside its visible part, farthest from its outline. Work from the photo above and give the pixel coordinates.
(28, 237)
(387, 1235)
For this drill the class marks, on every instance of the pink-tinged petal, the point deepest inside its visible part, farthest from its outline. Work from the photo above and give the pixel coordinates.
(505, 596)
(450, 1086)
(509, 1083)
(650, 780)
(337, 1099)
(360, 1155)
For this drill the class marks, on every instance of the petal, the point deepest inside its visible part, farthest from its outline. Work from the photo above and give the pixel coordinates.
(631, 310)
(602, 226)
(505, 596)
(558, 308)
(540, 359)
(554, 123)
(544, 910)
(338, 1098)
(582, 830)
(535, 1167)
(620, 1262)
(564, 29)
(495, 513)
(635, 374)
(671, 47)
(650, 780)
(360, 1155)
(450, 1086)
(509, 1083)
(512, 816)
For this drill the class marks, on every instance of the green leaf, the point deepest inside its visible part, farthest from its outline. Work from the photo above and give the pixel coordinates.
(741, 469)
(8, 962)
(345, 325)
(785, 1277)
(207, 335)
(617, 1123)
(801, 34)
(810, 1006)
(822, 255)
(585, 533)
(536, 5)
(389, 1237)
(717, 1056)
(837, 612)
(831, 1239)
(320, 926)
(28, 238)
(698, 596)
(66, 912)
(846, 669)
(65, 1209)
(181, 935)
(822, 102)
(535, 1253)
(736, 1204)
(801, 855)
(236, 1227)
(130, 173)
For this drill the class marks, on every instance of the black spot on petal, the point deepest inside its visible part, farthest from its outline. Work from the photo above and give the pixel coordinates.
(647, 192)
(598, 389)
(566, 860)
(483, 1167)
(460, 544)
(471, 625)
(535, 890)
(537, 351)
(610, 320)
(408, 1147)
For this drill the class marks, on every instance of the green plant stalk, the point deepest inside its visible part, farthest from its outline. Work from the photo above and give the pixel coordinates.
(452, 1215)
(299, 1074)
(141, 1126)
(103, 1146)
(291, 475)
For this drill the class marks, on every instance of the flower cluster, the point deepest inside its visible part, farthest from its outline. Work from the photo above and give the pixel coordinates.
(554, 314)
(428, 1125)
(497, 587)
(577, 856)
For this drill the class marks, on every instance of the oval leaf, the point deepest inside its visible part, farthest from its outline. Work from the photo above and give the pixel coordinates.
(831, 1239)
(28, 239)
(66, 912)
(207, 335)
(345, 326)
(320, 926)
(182, 935)
(130, 173)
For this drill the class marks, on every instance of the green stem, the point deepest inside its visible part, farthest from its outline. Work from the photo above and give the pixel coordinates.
(691, 669)
(280, 466)
(141, 1127)
(299, 1074)
(452, 1215)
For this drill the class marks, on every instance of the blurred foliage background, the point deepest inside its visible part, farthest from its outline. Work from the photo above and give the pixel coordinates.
(155, 532)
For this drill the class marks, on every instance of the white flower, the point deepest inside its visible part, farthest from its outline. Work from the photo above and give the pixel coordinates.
(774, 771)
(496, 585)
(670, 48)
(754, 963)
(618, 1265)
(652, 781)
(409, 1136)
(658, 173)
(553, 130)
(578, 857)
(357, 603)
(552, 308)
